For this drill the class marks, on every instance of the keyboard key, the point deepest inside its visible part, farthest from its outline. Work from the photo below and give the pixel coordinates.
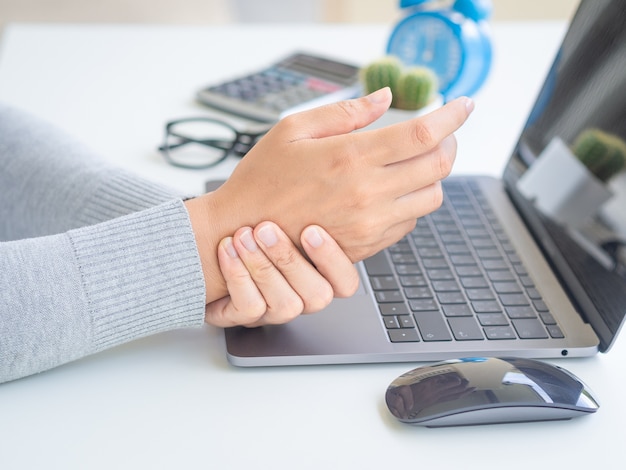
(547, 318)
(418, 292)
(507, 287)
(527, 281)
(384, 283)
(500, 332)
(457, 310)
(513, 299)
(400, 247)
(486, 306)
(429, 252)
(480, 294)
(403, 335)
(398, 308)
(494, 264)
(413, 281)
(451, 298)
(435, 263)
(391, 322)
(530, 329)
(378, 265)
(501, 275)
(492, 319)
(423, 305)
(432, 326)
(463, 260)
(439, 274)
(405, 321)
(403, 258)
(488, 253)
(404, 269)
(555, 331)
(389, 296)
(469, 270)
(446, 286)
(474, 282)
(465, 328)
(521, 312)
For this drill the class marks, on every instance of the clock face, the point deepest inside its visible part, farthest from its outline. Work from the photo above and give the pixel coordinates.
(432, 41)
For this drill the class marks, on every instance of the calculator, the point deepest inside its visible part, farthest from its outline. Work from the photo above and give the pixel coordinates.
(298, 82)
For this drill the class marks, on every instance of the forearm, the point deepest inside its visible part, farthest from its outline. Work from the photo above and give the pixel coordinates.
(73, 294)
(50, 183)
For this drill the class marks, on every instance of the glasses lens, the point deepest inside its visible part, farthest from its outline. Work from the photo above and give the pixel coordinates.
(197, 143)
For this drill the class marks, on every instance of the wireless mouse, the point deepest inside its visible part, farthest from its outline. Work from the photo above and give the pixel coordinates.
(483, 390)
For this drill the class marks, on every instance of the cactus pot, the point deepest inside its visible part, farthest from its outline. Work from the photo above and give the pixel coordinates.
(393, 115)
(612, 212)
(562, 187)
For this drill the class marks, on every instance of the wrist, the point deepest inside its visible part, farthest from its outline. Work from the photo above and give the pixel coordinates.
(205, 223)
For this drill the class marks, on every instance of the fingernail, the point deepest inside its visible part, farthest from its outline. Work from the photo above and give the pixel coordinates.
(313, 237)
(469, 104)
(230, 249)
(379, 95)
(267, 235)
(248, 240)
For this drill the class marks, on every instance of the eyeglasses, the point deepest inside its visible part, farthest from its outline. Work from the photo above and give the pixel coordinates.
(198, 143)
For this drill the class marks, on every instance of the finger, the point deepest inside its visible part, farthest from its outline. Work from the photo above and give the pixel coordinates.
(424, 170)
(283, 302)
(415, 136)
(313, 289)
(339, 118)
(245, 305)
(330, 261)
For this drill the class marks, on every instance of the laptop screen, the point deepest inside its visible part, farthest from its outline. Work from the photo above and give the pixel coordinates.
(568, 171)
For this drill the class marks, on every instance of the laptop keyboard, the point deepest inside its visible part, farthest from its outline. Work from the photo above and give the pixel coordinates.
(456, 277)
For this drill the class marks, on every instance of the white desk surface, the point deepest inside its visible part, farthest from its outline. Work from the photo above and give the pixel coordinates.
(172, 400)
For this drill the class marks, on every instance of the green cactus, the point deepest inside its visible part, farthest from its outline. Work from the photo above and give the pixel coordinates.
(382, 73)
(415, 88)
(604, 154)
(412, 89)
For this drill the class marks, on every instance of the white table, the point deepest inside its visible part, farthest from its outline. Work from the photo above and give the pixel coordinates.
(172, 400)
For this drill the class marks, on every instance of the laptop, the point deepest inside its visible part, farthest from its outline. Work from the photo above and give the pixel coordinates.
(525, 265)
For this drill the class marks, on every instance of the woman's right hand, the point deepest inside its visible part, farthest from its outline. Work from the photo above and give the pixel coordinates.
(270, 282)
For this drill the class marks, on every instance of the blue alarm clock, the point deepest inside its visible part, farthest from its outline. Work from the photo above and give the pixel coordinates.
(453, 41)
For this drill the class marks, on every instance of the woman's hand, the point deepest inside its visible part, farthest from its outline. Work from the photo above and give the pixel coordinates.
(269, 281)
(366, 189)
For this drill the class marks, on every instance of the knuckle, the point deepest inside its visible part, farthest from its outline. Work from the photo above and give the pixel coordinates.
(285, 259)
(251, 312)
(436, 197)
(349, 286)
(286, 310)
(424, 135)
(347, 108)
(320, 300)
(443, 164)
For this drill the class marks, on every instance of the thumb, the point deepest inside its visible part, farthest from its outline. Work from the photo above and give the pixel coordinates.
(341, 117)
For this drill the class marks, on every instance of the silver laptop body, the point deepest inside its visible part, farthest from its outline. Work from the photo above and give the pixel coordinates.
(556, 283)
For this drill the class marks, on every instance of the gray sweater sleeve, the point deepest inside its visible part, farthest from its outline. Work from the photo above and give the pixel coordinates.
(90, 256)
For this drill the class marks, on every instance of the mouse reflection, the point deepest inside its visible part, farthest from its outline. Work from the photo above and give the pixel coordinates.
(406, 401)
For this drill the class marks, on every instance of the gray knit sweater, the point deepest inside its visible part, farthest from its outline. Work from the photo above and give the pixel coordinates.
(90, 255)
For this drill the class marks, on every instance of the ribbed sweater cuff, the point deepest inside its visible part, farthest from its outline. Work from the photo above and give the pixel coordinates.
(120, 193)
(141, 274)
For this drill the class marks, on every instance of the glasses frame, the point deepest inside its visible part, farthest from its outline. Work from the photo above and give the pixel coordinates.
(239, 146)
